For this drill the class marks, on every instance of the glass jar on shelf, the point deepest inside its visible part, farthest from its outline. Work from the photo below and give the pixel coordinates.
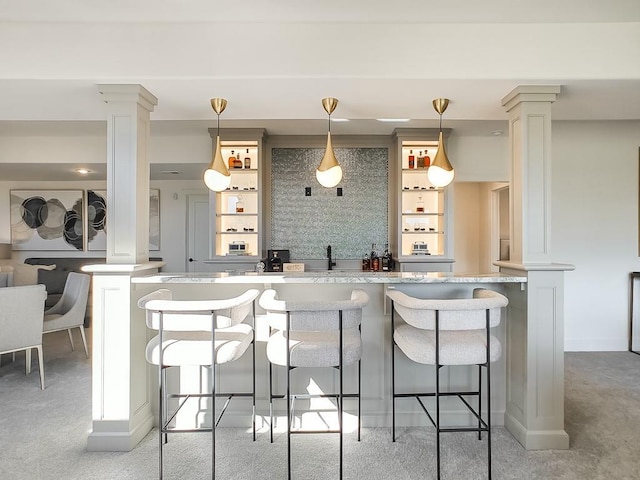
(420, 205)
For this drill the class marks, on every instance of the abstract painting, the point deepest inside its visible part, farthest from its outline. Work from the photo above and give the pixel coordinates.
(97, 219)
(47, 219)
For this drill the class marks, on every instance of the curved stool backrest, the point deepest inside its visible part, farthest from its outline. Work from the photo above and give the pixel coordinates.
(316, 315)
(455, 314)
(187, 315)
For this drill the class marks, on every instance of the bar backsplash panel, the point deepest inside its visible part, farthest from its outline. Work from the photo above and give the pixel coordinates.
(349, 223)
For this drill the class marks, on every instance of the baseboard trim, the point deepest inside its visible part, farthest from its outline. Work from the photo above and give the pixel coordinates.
(105, 436)
(536, 439)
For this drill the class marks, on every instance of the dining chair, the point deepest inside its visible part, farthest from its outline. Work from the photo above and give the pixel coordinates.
(69, 311)
(21, 317)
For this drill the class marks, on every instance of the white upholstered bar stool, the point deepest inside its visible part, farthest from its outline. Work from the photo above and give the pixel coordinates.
(202, 333)
(448, 332)
(316, 333)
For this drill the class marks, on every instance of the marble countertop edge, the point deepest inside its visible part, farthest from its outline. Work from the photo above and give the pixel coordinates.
(330, 277)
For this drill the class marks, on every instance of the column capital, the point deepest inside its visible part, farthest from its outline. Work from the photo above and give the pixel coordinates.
(530, 93)
(128, 93)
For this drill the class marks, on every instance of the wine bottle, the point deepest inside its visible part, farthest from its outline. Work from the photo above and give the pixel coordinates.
(412, 159)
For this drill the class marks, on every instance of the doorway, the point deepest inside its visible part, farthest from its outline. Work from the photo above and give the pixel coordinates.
(198, 243)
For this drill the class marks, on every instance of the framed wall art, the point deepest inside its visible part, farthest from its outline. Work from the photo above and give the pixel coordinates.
(97, 220)
(47, 219)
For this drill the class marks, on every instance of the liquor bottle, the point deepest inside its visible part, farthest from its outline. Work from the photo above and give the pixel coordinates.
(239, 205)
(420, 163)
(386, 259)
(412, 159)
(247, 160)
(232, 159)
(366, 263)
(420, 205)
(427, 160)
(375, 261)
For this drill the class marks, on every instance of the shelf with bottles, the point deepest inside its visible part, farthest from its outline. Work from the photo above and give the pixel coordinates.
(240, 157)
(417, 156)
(422, 203)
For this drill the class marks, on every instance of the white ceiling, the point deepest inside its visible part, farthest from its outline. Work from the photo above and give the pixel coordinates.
(275, 60)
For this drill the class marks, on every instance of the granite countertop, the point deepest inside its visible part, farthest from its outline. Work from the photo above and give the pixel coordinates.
(331, 276)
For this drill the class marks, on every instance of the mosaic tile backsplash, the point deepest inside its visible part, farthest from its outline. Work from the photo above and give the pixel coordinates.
(350, 224)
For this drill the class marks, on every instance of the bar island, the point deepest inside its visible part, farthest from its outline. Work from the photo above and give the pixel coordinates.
(527, 382)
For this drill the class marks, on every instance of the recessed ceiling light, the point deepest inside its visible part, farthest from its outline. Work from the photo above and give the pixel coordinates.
(340, 120)
(82, 171)
(170, 172)
(393, 120)
(497, 133)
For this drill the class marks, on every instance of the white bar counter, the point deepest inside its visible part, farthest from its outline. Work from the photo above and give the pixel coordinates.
(524, 382)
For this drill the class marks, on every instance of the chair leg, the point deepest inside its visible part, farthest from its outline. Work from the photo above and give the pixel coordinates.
(341, 404)
(73, 347)
(253, 389)
(359, 398)
(393, 380)
(27, 361)
(270, 402)
(437, 364)
(41, 365)
(84, 340)
(161, 420)
(479, 402)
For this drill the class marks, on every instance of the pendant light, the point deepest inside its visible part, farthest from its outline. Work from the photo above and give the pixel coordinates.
(329, 172)
(440, 172)
(217, 176)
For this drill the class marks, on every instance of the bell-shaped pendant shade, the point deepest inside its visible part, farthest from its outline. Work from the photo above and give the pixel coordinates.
(329, 172)
(440, 171)
(217, 176)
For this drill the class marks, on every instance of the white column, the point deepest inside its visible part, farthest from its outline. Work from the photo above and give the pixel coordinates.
(128, 127)
(535, 328)
(121, 407)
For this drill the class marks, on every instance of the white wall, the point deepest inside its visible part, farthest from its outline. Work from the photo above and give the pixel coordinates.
(595, 227)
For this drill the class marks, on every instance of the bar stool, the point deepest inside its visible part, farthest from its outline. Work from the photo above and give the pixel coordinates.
(448, 332)
(313, 334)
(203, 333)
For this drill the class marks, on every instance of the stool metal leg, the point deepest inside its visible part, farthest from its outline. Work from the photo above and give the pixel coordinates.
(340, 404)
(437, 362)
(161, 406)
(213, 395)
(393, 378)
(253, 387)
(288, 396)
(488, 395)
(479, 402)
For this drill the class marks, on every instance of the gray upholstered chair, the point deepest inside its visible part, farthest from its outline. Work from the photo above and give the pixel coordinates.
(448, 332)
(189, 332)
(21, 314)
(69, 312)
(316, 333)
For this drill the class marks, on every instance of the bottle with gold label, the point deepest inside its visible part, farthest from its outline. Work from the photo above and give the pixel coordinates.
(247, 160)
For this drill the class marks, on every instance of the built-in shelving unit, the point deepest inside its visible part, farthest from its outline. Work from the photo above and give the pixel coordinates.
(422, 223)
(237, 229)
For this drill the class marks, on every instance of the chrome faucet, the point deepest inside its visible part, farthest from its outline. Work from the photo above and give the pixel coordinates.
(331, 262)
